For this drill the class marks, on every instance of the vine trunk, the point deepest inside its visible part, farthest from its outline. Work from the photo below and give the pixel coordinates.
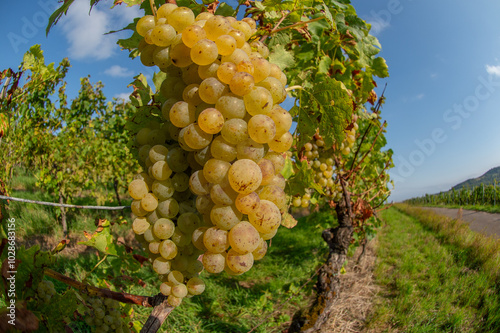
(328, 284)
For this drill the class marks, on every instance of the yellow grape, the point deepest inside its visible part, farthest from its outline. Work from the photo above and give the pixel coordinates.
(258, 101)
(217, 26)
(244, 176)
(261, 128)
(181, 18)
(196, 138)
(239, 263)
(281, 143)
(213, 262)
(163, 35)
(225, 217)
(204, 52)
(211, 121)
(215, 171)
(165, 10)
(226, 44)
(145, 24)
(215, 240)
(267, 218)
(247, 203)
(243, 237)
(193, 34)
(138, 189)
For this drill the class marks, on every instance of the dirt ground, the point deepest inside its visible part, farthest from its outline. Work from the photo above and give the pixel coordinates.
(486, 223)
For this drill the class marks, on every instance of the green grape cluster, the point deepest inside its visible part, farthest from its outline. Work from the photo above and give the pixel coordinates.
(45, 291)
(350, 138)
(321, 160)
(212, 184)
(103, 315)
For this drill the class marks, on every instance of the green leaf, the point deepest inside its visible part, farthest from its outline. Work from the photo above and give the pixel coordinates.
(33, 57)
(329, 107)
(281, 57)
(282, 37)
(328, 15)
(56, 15)
(336, 108)
(158, 78)
(103, 240)
(317, 28)
(260, 6)
(225, 10)
(324, 65)
(287, 171)
(302, 179)
(130, 3)
(380, 67)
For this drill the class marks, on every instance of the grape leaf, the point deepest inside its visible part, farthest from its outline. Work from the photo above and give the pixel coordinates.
(324, 64)
(328, 15)
(287, 171)
(225, 10)
(281, 57)
(56, 15)
(102, 239)
(379, 67)
(330, 106)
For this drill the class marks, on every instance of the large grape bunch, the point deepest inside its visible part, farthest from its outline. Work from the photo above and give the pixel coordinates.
(212, 184)
(321, 160)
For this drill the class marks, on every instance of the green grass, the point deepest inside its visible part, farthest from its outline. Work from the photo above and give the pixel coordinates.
(429, 285)
(481, 208)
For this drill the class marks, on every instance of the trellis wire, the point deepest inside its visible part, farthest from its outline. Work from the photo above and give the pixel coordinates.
(63, 205)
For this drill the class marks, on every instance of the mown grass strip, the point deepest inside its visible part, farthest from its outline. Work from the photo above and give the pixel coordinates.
(481, 208)
(483, 252)
(430, 285)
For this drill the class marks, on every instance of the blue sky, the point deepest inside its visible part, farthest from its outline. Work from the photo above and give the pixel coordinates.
(443, 95)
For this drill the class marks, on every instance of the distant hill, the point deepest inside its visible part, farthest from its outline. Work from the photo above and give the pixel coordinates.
(487, 179)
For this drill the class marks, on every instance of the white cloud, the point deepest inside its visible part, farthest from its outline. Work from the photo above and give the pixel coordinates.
(493, 70)
(378, 25)
(86, 33)
(118, 71)
(124, 96)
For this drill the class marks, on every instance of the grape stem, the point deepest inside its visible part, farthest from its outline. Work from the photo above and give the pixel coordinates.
(147, 301)
(298, 24)
(294, 88)
(153, 7)
(100, 262)
(283, 17)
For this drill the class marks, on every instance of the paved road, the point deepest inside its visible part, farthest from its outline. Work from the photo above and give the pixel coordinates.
(486, 223)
